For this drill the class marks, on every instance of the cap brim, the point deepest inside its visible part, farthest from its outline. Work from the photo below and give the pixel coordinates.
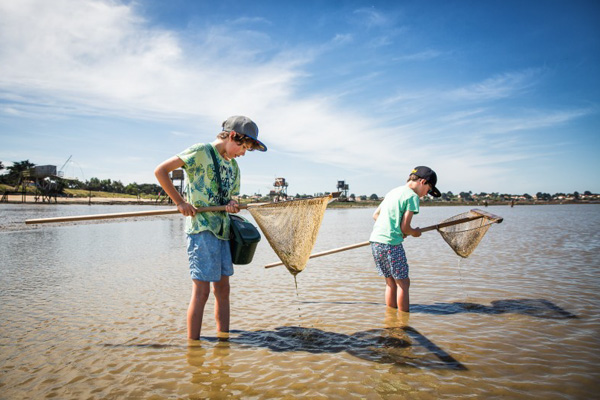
(261, 144)
(435, 192)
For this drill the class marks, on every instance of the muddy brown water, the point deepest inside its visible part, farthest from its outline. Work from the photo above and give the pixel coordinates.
(97, 310)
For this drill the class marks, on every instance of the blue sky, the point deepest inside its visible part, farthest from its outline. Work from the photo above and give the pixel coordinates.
(496, 96)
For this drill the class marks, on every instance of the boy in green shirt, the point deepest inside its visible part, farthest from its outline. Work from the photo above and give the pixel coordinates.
(208, 232)
(392, 224)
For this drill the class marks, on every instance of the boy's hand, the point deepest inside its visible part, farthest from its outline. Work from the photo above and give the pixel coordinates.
(187, 209)
(233, 207)
(416, 232)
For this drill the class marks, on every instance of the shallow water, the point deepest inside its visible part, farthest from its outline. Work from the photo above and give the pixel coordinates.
(97, 310)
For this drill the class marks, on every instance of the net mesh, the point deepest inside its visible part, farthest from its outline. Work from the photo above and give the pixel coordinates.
(291, 227)
(464, 237)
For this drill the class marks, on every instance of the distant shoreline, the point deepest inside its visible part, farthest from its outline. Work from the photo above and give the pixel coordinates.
(30, 199)
(365, 204)
(97, 200)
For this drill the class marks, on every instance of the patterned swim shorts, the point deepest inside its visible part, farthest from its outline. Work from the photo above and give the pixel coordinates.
(210, 257)
(390, 260)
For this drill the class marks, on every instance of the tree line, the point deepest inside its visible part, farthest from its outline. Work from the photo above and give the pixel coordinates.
(14, 174)
(483, 196)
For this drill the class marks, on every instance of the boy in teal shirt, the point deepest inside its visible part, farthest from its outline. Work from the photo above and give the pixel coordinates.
(392, 224)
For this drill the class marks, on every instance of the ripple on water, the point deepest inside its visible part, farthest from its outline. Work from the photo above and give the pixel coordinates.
(98, 311)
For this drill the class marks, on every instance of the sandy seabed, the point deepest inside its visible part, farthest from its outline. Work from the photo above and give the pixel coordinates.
(98, 311)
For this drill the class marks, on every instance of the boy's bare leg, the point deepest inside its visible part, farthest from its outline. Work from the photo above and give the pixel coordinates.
(403, 299)
(390, 293)
(200, 292)
(222, 304)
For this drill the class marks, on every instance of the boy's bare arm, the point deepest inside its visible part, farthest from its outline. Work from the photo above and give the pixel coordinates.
(405, 225)
(162, 175)
(376, 213)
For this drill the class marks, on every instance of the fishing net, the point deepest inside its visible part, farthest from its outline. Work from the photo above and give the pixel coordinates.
(291, 228)
(464, 237)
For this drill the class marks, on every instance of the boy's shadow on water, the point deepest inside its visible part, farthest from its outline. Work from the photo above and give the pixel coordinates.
(403, 346)
(398, 345)
(539, 308)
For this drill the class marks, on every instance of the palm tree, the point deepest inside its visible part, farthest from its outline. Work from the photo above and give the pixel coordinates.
(15, 171)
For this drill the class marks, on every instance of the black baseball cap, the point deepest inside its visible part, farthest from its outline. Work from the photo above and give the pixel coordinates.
(430, 176)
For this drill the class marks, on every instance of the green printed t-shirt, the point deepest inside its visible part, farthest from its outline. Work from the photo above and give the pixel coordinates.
(203, 189)
(391, 210)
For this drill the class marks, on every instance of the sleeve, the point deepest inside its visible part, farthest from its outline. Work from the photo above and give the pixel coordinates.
(412, 204)
(189, 155)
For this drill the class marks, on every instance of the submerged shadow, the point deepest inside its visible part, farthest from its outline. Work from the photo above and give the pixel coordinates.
(403, 346)
(538, 308)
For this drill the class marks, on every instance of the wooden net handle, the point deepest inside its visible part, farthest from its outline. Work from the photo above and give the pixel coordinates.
(480, 214)
(324, 253)
(122, 215)
(450, 223)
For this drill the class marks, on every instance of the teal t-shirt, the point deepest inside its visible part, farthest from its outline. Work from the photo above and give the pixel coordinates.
(203, 190)
(387, 226)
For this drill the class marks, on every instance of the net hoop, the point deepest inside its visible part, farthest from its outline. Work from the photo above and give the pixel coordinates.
(291, 228)
(464, 237)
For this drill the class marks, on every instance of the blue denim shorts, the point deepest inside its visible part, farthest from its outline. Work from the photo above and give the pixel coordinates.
(210, 257)
(390, 260)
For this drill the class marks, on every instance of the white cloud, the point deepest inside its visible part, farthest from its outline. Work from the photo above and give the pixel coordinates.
(342, 38)
(180, 134)
(425, 55)
(11, 111)
(249, 20)
(494, 88)
(94, 56)
(497, 87)
(370, 17)
(101, 58)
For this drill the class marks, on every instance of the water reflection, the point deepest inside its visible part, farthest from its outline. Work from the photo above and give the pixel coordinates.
(66, 290)
(211, 369)
(141, 345)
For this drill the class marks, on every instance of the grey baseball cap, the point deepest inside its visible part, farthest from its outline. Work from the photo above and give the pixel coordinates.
(245, 126)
